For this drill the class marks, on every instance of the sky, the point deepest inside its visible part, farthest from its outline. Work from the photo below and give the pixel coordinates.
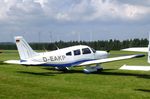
(54, 20)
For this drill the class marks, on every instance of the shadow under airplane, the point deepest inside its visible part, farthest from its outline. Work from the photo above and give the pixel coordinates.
(143, 90)
(145, 76)
(35, 73)
(103, 72)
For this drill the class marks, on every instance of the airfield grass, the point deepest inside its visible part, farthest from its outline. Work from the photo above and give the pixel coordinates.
(20, 82)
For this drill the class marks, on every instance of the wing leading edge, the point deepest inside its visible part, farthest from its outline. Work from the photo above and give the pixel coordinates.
(110, 59)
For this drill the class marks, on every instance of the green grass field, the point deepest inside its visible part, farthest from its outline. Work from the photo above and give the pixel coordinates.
(20, 82)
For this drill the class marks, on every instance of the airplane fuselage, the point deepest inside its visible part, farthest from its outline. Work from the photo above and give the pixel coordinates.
(70, 56)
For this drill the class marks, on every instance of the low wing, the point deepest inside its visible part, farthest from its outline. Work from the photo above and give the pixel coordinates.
(23, 63)
(136, 49)
(110, 59)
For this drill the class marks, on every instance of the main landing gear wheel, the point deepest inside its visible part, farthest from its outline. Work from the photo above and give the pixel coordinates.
(90, 69)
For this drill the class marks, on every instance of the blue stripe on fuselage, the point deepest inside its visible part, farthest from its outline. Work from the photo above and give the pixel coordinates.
(23, 60)
(67, 64)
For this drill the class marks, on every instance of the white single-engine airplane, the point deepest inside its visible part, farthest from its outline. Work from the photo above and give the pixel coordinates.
(63, 59)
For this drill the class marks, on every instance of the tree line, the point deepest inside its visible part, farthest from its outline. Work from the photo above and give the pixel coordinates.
(98, 45)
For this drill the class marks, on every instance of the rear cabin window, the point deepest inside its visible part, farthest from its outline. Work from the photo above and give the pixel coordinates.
(77, 52)
(69, 54)
(86, 51)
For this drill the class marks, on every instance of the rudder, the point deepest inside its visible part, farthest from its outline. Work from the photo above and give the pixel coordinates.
(25, 51)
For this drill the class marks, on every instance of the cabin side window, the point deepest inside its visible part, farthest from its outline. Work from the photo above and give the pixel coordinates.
(86, 51)
(69, 54)
(77, 52)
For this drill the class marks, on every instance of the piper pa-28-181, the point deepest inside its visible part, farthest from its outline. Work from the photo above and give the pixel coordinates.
(63, 59)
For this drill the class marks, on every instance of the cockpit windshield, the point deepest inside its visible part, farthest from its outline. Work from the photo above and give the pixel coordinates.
(94, 51)
(86, 51)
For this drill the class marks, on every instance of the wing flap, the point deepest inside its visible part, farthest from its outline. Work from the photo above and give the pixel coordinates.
(110, 59)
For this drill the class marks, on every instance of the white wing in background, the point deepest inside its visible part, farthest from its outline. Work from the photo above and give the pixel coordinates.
(136, 49)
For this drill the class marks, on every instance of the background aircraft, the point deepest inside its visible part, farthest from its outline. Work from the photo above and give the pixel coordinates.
(138, 49)
(63, 59)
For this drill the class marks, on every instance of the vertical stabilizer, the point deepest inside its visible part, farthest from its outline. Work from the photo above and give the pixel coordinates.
(149, 50)
(25, 51)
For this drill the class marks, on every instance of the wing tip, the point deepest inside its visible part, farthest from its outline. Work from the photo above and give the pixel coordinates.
(139, 55)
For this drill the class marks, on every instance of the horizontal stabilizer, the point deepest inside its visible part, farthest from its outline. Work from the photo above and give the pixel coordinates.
(142, 68)
(23, 63)
(32, 63)
(12, 61)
